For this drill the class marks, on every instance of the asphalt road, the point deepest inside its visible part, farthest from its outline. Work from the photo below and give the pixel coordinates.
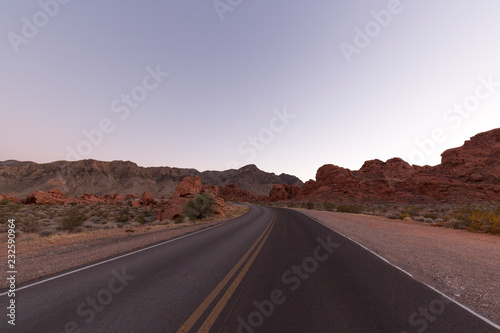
(272, 270)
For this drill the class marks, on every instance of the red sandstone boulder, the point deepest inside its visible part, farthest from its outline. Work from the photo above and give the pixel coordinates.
(188, 186)
(9, 198)
(113, 198)
(172, 209)
(91, 199)
(130, 197)
(147, 199)
(231, 192)
(281, 192)
(214, 190)
(53, 197)
(219, 206)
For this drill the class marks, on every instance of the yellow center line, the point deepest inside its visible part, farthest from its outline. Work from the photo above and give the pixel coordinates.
(206, 303)
(223, 301)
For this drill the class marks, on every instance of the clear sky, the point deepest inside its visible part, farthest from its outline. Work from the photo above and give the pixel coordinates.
(286, 85)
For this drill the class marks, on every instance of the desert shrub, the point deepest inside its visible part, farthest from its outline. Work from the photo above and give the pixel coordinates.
(431, 215)
(47, 232)
(201, 206)
(74, 218)
(28, 225)
(310, 205)
(410, 211)
(354, 209)
(140, 219)
(403, 216)
(330, 206)
(124, 215)
(4, 201)
(149, 213)
(475, 219)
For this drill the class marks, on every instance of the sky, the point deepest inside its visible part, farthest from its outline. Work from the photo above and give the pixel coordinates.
(286, 85)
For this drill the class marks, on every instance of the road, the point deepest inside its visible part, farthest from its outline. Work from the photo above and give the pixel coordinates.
(271, 270)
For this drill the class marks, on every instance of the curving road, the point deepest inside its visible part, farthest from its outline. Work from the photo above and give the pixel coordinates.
(271, 270)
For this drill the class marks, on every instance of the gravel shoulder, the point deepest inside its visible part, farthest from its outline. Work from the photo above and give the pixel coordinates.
(45, 256)
(465, 266)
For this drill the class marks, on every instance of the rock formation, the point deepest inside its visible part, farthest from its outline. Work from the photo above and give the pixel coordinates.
(470, 173)
(187, 189)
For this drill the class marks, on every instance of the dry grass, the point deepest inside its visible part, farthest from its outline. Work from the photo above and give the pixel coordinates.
(480, 218)
(56, 222)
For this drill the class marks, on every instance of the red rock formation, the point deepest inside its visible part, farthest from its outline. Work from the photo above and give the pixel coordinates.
(53, 197)
(147, 199)
(214, 190)
(231, 192)
(172, 209)
(186, 190)
(470, 173)
(188, 186)
(9, 198)
(285, 192)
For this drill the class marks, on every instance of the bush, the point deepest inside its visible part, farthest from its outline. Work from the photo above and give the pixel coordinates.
(141, 219)
(410, 211)
(433, 216)
(4, 201)
(124, 215)
(330, 206)
(354, 209)
(475, 219)
(201, 206)
(310, 205)
(27, 225)
(74, 218)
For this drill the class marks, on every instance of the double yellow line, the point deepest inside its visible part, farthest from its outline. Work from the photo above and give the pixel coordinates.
(212, 317)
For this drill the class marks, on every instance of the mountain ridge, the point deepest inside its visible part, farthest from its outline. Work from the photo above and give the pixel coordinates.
(20, 178)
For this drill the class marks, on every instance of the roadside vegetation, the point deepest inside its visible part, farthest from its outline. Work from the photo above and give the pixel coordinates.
(483, 218)
(35, 221)
(48, 220)
(200, 207)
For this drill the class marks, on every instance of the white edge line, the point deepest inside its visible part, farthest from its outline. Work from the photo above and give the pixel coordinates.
(124, 255)
(402, 270)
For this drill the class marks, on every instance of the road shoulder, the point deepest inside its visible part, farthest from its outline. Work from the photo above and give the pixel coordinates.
(462, 265)
(44, 257)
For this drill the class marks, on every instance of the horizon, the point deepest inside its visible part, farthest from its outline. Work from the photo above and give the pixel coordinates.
(208, 170)
(204, 87)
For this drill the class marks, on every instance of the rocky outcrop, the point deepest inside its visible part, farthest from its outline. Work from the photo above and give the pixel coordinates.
(231, 192)
(186, 190)
(6, 198)
(52, 197)
(188, 187)
(172, 209)
(467, 174)
(147, 199)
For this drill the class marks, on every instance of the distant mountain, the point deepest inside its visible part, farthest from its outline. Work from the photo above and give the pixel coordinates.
(97, 177)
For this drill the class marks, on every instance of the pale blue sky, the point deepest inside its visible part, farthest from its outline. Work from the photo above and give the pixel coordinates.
(228, 78)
